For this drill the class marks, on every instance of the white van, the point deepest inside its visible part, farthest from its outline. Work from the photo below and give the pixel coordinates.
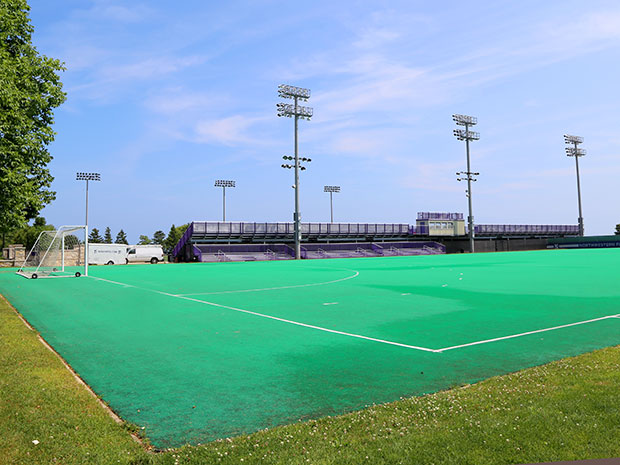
(145, 253)
(107, 254)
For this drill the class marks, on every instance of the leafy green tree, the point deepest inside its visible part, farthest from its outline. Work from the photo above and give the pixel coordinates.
(121, 238)
(107, 235)
(617, 230)
(28, 234)
(30, 90)
(94, 237)
(174, 235)
(144, 240)
(158, 237)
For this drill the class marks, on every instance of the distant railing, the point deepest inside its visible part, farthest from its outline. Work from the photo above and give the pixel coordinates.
(439, 216)
(212, 229)
(526, 229)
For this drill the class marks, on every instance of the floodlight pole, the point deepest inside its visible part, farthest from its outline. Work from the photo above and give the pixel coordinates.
(297, 217)
(331, 208)
(470, 219)
(86, 177)
(576, 152)
(467, 135)
(224, 184)
(580, 219)
(224, 204)
(296, 111)
(331, 190)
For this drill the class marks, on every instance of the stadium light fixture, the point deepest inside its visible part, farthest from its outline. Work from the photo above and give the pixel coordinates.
(469, 176)
(576, 152)
(296, 111)
(331, 190)
(224, 184)
(81, 176)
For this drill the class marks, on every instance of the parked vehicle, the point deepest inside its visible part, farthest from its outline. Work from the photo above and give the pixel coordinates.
(145, 253)
(107, 254)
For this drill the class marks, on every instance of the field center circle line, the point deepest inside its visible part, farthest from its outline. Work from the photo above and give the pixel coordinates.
(512, 336)
(355, 275)
(262, 315)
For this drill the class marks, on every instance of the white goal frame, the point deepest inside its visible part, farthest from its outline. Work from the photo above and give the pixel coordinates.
(48, 256)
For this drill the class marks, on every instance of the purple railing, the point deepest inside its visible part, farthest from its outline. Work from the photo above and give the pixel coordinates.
(184, 238)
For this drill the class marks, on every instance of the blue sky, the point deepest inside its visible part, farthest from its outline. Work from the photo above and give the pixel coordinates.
(163, 99)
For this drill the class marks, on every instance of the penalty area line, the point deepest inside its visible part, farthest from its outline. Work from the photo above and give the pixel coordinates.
(355, 275)
(512, 336)
(283, 320)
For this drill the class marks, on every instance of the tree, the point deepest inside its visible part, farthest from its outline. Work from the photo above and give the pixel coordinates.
(144, 240)
(121, 238)
(158, 237)
(30, 91)
(617, 230)
(174, 235)
(28, 234)
(94, 237)
(107, 235)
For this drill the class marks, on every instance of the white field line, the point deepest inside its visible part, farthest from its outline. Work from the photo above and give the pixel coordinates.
(527, 333)
(355, 275)
(305, 325)
(359, 336)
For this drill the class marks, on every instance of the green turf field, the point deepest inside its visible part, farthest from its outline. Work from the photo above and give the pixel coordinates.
(195, 352)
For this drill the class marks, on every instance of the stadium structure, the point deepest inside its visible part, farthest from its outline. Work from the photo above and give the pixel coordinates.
(433, 233)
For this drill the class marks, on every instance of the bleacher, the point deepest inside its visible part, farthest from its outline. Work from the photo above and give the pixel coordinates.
(372, 249)
(262, 252)
(243, 252)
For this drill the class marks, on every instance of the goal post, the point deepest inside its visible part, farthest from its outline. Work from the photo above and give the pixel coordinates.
(57, 253)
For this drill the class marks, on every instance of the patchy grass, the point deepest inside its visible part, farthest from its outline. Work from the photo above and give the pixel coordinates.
(566, 410)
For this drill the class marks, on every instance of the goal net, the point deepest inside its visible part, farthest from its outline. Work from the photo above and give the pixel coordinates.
(56, 253)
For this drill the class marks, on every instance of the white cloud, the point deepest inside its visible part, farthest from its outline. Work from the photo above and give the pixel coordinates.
(231, 131)
(149, 68)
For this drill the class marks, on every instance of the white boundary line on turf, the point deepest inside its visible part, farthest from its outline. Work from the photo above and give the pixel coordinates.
(526, 333)
(274, 288)
(359, 336)
(305, 325)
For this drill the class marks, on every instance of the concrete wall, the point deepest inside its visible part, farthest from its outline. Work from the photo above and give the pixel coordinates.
(14, 255)
(495, 245)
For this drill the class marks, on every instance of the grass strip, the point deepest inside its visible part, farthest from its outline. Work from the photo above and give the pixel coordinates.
(565, 410)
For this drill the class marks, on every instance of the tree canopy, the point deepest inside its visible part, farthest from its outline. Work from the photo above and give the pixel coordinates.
(174, 235)
(95, 237)
(121, 238)
(159, 237)
(107, 235)
(30, 90)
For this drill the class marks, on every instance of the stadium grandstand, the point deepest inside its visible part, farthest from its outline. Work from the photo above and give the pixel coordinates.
(210, 241)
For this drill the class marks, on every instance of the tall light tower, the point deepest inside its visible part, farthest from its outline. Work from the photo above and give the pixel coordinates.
(296, 111)
(467, 135)
(576, 152)
(331, 190)
(87, 177)
(224, 184)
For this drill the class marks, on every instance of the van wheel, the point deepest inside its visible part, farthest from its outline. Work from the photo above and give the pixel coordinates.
(126, 261)
(78, 274)
(110, 263)
(154, 261)
(34, 276)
